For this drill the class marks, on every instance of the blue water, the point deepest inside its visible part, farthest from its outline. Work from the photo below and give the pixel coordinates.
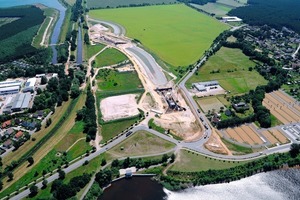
(50, 3)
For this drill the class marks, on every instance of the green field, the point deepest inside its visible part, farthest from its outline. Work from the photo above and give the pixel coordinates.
(214, 8)
(121, 3)
(177, 34)
(110, 80)
(92, 50)
(234, 75)
(141, 143)
(109, 57)
(236, 149)
(111, 130)
(191, 162)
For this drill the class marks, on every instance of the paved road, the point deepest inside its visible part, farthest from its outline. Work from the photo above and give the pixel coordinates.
(153, 70)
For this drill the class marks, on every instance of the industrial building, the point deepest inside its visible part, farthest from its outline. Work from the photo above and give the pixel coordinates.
(20, 102)
(10, 87)
(201, 86)
(231, 19)
(29, 85)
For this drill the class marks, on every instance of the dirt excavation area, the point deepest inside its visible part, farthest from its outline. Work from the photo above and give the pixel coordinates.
(117, 107)
(215, 144)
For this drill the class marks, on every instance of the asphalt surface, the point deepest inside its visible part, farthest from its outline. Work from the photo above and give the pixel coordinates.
(153, 70)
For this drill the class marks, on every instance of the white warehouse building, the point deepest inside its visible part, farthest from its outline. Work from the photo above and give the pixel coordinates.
(10, 87)
(29, 85)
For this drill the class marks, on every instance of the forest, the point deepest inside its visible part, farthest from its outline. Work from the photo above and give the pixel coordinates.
(16, 37)
(275, 13)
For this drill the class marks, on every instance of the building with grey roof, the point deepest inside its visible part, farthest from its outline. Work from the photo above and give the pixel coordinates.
(21, 102)
(201, 86)
(9, 90)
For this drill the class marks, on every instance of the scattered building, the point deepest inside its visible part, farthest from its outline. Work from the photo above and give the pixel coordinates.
(202, 86)
(6, 124)
(231, 19)
(29, 85)
(240, 106)
(21, 102)
(9, 131)
(19, 134)
(7, 144)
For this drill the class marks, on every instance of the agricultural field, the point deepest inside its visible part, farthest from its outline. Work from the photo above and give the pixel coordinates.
(141, 143)
(162, 38)
(244, 134)
(231, 68)
(192, 162)
(109, 57)
(220, 7)
(119, 3)
(283, 107)
(214, 8)
(208, 104)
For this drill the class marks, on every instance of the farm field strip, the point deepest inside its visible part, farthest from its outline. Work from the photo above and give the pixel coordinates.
(270, 137)
(252, 134)
(226, 134)
(282, 139)
(244, 135)
(275, 113)
(288, 99)
(284, 97)
(286, 104)
(285, 111)
(234, 135)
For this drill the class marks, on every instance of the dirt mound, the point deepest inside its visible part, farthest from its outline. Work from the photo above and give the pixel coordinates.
(215, 144)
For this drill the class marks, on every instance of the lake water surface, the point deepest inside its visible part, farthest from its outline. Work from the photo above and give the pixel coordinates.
(276, 185)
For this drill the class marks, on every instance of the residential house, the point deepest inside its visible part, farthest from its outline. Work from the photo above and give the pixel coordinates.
(6, 124)
(7, 144)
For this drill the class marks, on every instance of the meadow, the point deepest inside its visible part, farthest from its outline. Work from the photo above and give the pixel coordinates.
(177, 34)
(120, 3)
(109, 57)
(192, 162)
(231, 68)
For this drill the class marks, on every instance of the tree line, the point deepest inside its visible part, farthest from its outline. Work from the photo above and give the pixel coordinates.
(177, 180)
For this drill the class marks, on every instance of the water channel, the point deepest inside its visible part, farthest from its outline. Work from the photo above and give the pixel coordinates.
(50, 3)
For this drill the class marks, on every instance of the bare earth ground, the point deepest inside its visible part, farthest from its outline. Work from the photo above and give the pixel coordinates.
(214, 144)
(182, 124)
(117, 107)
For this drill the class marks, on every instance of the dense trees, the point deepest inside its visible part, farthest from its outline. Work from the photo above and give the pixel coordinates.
(176, 180)
(88, 115)
(65, 191)
(275, 13)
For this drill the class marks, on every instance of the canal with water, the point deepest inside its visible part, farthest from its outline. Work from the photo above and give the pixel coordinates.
(50, 3)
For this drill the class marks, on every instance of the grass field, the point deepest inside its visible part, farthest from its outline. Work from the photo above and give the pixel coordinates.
(234, 75)
(91, 167)
(109, 57)
(214, 8)
(48, 12)
(110, 80)
(191, 162)
(118, 3)
(177, 34)
(237, 149)
(91, 50)
(209, 104)
(110, 130)
(141, 143)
